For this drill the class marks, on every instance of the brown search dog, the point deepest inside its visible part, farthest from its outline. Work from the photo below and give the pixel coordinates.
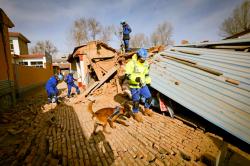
(102, 117)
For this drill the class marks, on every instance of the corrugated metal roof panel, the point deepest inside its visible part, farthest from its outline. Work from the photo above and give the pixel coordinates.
(223, 42)
(225, 104)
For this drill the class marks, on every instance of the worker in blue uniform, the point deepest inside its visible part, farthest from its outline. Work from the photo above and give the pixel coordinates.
(51, 88)
(70, 82)
(126, 30)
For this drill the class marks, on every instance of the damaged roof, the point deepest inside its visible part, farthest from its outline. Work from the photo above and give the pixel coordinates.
(214, 84)
(70, 57)
(77, 52)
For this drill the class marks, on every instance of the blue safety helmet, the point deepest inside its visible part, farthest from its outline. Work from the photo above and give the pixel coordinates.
(142, 53)
(60, 77)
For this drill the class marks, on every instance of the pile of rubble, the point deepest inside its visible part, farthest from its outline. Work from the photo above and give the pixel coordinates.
(110, 73)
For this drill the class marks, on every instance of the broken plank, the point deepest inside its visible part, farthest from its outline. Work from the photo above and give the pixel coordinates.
(90, 88)
(119, 89)
(232, 81)
(97, 70)
(103, 57)
(105, 77)
(186, 52)
(230, 47)
(182, 59)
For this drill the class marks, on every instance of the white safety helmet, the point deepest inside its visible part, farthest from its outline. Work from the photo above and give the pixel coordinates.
(60, 77)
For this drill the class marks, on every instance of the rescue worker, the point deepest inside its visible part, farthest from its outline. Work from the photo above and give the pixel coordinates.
(51, 88)
(137, 72)
(70, 82)
(126, 30)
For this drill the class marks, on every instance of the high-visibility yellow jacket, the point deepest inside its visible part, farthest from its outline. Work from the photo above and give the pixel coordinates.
(136, 69)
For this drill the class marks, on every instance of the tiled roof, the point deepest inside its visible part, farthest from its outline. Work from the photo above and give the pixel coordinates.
(98, 42)
(17, 34)
(31, 56)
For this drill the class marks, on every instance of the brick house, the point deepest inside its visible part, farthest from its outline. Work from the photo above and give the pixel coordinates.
(19, 50)
(61, 66)
(7, 90)
(91, 61)
(35, 60)
(18, 43)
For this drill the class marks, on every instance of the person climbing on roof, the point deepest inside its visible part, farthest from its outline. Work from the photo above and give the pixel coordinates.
(137, 72)
(70, 83)
(126, 30)
(51, 88)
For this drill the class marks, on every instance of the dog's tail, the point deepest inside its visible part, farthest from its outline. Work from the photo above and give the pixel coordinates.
(90, 108)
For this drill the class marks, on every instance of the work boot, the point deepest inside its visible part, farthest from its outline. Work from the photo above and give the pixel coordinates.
(138, 117)
(148, 112)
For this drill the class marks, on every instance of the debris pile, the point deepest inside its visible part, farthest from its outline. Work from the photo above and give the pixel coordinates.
(110, 73)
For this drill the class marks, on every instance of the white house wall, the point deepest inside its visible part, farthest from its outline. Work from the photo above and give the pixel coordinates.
(31, 60)
(44, 62)
(82, 73)
(15, 45)
(78, 69)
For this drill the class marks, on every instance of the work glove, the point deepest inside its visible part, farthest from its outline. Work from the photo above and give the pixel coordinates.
(54, 99)
(138, 79)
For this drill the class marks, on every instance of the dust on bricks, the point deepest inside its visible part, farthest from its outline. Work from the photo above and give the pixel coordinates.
(69, 140)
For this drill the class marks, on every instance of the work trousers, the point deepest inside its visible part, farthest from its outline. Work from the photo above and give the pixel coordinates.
(126, 44)
(69, 89)
(137, 93)
(52, 94)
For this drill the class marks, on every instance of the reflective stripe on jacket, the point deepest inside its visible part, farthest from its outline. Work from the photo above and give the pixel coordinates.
(136, 69)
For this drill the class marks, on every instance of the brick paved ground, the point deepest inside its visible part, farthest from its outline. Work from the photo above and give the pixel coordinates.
(36, 133)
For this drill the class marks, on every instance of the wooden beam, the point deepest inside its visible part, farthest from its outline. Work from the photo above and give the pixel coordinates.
(105, 77)
(103, 57)
(206, 69)
(230, 47)
(186, 52)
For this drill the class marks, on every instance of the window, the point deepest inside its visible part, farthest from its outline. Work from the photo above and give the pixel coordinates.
(23, 63)
(37, 63)
(11, 47)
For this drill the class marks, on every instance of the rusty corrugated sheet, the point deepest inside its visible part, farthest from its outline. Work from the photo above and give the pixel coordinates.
(214, 84)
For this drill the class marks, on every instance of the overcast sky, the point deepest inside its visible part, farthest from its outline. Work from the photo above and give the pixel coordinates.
(193, 20)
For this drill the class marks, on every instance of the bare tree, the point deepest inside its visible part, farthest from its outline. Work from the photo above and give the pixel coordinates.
(84, 30)
(154, 39)
(239, 20)
(94, 28)
(139, 40)
(117, 31)
(79, 31)
(42, 46)
(107, 33)
(162, 34)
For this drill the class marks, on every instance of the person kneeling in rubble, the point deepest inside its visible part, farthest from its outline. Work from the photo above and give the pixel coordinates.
(51, 88)
(137, 72)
